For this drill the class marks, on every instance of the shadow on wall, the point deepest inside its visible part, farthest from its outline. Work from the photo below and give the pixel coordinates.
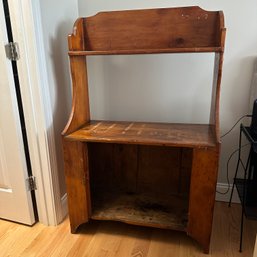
(62, 90)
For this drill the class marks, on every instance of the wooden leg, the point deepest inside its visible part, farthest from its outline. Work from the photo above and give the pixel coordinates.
(202, 195)
(77, 182)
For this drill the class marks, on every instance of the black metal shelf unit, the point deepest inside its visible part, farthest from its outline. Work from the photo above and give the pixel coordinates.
(246, 186)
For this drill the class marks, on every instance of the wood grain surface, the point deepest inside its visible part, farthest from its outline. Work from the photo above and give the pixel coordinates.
(141, 209)
(115, 239)
(166, 134)
(77, 182)
(152, 29)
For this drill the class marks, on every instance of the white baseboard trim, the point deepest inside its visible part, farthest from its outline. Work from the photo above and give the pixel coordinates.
(222, 187)
(64, 204)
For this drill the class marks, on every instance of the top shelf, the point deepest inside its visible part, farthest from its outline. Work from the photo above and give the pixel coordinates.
(149, 51)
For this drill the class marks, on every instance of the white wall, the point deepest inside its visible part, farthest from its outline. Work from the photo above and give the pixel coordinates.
(151, 87)
(114, 79)
(57, 18)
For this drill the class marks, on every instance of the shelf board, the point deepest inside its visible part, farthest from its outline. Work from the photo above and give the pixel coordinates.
(169, 212)
(146, 133)
(149, 51)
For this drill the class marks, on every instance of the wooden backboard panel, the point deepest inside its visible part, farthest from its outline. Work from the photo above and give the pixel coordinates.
(153, 29)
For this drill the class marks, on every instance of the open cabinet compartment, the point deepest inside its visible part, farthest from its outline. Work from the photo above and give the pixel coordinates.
(153, 174)
(144, 185)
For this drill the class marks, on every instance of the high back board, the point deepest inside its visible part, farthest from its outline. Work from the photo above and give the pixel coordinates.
(153, 29)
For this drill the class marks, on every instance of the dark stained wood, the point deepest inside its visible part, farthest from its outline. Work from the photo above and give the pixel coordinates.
(125, 167)
(185, 170)
(138, 169)
(113, 167)
(77, 182)
(138, 184)
(100, 166)
(202, 195)
(137, 166)
(142, 209)
(158, 170)
(165, 28)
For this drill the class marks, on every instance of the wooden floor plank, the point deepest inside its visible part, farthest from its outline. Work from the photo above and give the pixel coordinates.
(45, 242)
(12, 243)
(127, 242)
(166, 242)
(78, 244)
(114, 239)
(105, 241)
(5, 227)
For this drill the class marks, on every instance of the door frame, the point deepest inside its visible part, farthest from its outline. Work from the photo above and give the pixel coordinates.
(27, 31)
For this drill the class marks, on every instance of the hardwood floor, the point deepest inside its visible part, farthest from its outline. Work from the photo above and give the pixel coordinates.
(111, 239)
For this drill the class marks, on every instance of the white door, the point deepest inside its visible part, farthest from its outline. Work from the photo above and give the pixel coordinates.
(15, 198)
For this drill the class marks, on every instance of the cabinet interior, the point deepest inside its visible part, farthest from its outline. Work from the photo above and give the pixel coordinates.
(140, 183)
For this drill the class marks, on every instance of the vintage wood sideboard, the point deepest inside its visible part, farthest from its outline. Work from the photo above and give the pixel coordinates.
(151, 174)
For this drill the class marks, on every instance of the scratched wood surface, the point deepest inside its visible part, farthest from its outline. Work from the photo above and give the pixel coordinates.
(169, 134)
(168, 212)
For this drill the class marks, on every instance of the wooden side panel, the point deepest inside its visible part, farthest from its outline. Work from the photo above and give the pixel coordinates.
(214, 112)
(77, 182)
(80, 113)
(152, 29)
(202, 195)
(217, 75)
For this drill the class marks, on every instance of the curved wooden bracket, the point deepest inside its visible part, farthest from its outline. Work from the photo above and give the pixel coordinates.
(76, 39)
(80, 113)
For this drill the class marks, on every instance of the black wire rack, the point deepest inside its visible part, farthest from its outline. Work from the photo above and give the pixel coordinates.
(246, 186)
